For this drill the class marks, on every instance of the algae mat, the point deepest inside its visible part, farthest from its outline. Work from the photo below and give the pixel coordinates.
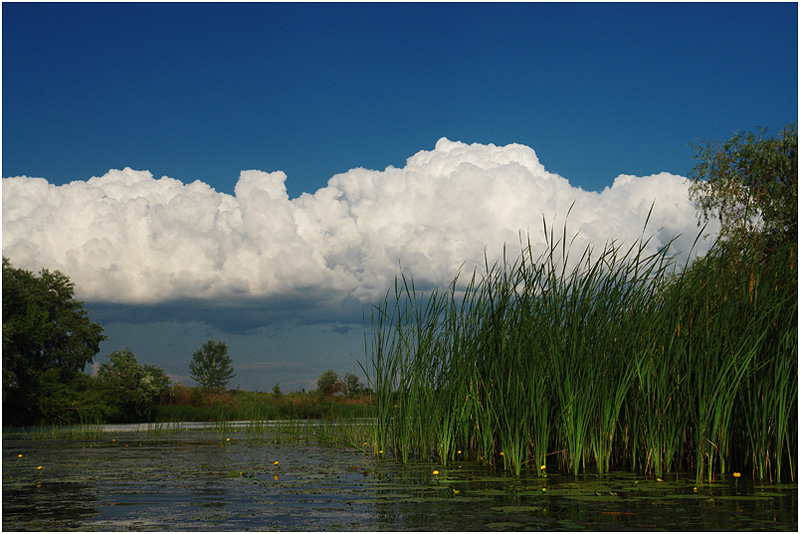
(199, 480)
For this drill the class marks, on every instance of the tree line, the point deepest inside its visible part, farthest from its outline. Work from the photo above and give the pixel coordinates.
(49, 339)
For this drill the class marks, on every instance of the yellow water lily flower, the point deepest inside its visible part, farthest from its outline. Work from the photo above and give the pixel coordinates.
(435, 472)
(39, 467)
(19, 456)
(275, 462)
(543, 467)
(736, 474)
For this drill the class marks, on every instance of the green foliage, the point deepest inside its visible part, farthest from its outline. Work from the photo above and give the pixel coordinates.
(353, 385)
(133, 388)
(622, 361)
(734, 339)
(44, 328)
(329, 383)
(211, 366)
(749, 183)
(66, 397)
(276, 390)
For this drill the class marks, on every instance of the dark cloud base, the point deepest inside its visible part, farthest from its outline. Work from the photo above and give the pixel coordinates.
(240, 317)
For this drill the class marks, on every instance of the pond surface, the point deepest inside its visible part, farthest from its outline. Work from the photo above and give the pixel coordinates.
(197, 480)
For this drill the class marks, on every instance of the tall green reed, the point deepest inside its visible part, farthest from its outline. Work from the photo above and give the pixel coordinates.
(615, 359)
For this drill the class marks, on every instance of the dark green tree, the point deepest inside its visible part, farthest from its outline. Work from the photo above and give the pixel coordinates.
(134, 388)
(749, 183)
(44, 328)
(66, 397)
(211, 366)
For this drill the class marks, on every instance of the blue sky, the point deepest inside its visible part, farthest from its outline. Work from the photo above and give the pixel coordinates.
(204, 91)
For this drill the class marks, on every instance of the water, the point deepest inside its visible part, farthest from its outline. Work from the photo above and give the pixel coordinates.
(197, 480)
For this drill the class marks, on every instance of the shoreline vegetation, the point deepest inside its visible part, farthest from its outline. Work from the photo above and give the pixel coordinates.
(195, 404)
(255, 417)
(186, 404)
(618, 361)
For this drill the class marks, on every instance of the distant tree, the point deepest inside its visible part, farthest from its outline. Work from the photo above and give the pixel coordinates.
(44, 328)
(123, 371)
(353, 385)
(135, 388)
(155, 382)
(329, 383)
(211, 366)
(749, 183)
(276, 390)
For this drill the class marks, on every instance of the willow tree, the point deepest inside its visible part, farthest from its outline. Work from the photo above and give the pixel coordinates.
(749, 183)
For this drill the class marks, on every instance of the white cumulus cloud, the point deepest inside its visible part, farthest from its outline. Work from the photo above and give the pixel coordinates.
(129, 238)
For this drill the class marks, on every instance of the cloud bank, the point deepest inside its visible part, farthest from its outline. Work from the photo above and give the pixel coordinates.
(126, 237)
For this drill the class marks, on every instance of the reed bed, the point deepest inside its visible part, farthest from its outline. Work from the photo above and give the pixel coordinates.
(619, 359)
(162, 429)
(76, 432)
(348, 431)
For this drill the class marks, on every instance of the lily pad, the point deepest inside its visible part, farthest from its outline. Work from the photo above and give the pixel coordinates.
(512, 509)
(504, 525)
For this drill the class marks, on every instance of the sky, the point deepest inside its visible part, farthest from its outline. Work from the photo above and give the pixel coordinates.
(259, 173)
